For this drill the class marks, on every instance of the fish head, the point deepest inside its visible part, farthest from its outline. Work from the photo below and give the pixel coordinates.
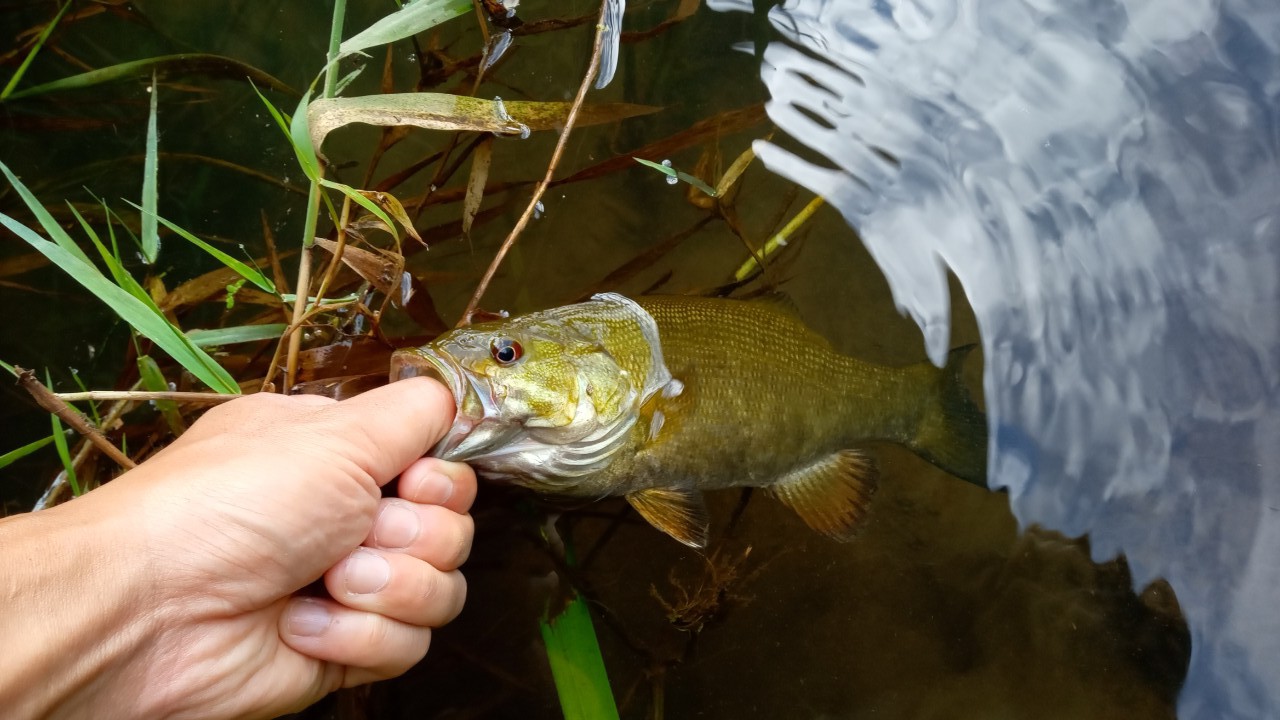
(546, 397)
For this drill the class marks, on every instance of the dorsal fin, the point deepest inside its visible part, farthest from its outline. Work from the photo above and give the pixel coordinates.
(831, 495)
(678, 513)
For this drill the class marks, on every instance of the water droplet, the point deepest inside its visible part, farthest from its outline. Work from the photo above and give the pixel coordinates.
(672, 180)
(538, 209)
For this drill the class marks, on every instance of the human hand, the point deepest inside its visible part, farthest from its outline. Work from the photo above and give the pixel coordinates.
(207, 543)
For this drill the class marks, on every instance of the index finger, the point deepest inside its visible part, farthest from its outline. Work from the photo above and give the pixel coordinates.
(399, 421)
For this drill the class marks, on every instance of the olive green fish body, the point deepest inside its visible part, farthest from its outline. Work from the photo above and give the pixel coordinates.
(762, 395)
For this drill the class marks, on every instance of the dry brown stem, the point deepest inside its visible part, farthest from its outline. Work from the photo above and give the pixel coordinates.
(50, 401)
(541, 188)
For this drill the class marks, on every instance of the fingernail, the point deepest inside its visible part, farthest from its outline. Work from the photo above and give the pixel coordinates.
(308, 618)
(436, 488)
(396, 527)
(366, 572)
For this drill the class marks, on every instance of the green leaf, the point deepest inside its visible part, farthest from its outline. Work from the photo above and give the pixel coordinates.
(93, 406)
(35, 50)
(238, 334)
(60, 442)
(153, 380)
(672, 172)
(14, 456)
(112, 260)
(363, 202)
(132, 310)
(150, 172)
(576, 664)
(409, 20)
(187, 63)
(300, 138)
(246, 272)
(46, 220)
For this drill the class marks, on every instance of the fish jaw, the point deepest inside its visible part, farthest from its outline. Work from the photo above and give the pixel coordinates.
(472, 403)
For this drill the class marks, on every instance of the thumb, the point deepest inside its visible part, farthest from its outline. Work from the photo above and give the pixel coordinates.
(401, 422)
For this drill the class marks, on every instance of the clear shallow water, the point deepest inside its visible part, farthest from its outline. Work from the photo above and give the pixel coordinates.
(1101, 177)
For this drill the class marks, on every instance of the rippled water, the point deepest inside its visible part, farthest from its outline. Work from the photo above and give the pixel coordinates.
(1101, 177)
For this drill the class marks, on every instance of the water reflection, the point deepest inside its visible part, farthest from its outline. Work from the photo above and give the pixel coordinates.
(1102, 179)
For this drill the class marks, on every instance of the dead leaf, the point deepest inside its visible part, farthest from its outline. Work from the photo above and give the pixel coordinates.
(392, 206)
(382, 271)
(475, 183)
(440, 111)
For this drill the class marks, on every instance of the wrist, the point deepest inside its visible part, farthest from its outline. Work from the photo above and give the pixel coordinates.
(75, 585)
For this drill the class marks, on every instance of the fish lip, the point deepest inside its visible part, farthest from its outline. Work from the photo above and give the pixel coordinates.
(426, 362)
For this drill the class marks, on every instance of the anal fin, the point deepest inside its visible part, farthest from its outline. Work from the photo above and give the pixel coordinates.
(831, 495)
(678, 513)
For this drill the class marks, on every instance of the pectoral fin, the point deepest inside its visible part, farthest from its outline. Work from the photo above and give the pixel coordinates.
(831, 495)
(678, 513)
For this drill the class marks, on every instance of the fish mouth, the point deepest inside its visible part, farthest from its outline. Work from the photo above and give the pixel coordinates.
(419, 362)
(469, 406)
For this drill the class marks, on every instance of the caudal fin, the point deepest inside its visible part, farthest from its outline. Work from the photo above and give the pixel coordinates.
(953, 431)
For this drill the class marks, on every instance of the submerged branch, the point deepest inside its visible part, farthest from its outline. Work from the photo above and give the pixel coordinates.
(50, 401)
(594, 65)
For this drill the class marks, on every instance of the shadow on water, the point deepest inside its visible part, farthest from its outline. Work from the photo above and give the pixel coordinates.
(1087, 190)
(1101, 177)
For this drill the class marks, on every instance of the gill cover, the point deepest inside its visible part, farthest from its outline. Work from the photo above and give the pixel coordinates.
(564, 407)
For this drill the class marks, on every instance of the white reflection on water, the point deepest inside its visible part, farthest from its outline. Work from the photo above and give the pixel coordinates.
(1102, 177)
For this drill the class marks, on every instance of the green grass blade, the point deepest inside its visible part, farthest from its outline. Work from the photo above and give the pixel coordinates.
(189, 63)
(93, 406)
(112, 261)
(153, 380)
(132, 310)
(674, 173)
(14, 456)
(248, 273)
(365, 203)
(409, 20)
(234, 335)
(576, 664)
(35, 50)
(60, 442)
(150, 172)
(306, 158)
(300, 138)
(50, 225)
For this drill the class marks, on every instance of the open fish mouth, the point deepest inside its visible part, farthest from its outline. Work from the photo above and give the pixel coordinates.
(470, 405)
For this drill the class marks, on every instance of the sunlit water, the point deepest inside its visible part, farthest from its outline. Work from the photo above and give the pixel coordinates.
(1102, 178)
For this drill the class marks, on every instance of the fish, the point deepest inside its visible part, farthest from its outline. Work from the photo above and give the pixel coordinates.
(660, 398)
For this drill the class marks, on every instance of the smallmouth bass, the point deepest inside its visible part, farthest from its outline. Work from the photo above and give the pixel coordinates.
(662, 397)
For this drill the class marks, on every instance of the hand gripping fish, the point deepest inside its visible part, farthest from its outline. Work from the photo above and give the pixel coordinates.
(660, 398)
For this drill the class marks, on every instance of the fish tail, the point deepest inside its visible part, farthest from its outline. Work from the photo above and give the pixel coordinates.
(953, 431)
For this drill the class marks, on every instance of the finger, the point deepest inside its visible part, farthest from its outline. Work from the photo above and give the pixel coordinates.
(431, 533)
(399, 422)
(439, 482)
(397, 585)
(378, 645)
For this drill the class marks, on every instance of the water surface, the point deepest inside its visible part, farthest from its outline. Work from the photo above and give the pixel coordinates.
(1101, 178)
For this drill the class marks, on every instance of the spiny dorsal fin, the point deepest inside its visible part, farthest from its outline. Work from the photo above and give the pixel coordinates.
(678, 513)
(831, 495)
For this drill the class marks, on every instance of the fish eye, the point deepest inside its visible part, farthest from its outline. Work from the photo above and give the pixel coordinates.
(505, 350)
